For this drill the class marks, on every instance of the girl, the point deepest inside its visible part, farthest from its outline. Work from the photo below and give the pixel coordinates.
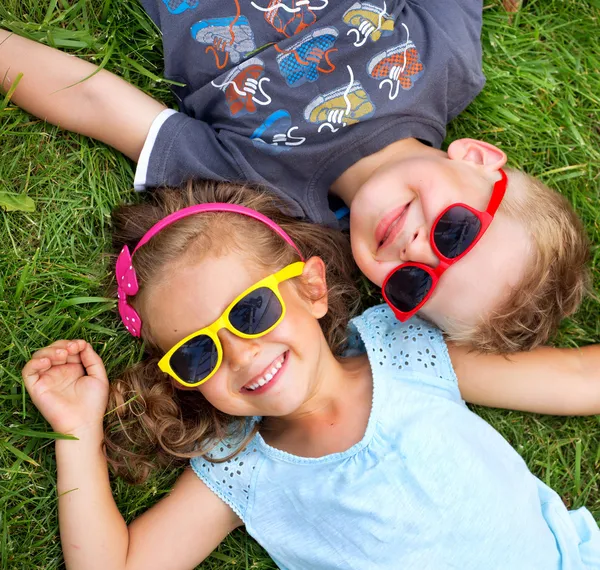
(366, 460)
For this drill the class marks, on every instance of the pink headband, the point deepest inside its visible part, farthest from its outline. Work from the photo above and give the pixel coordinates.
(127, 283)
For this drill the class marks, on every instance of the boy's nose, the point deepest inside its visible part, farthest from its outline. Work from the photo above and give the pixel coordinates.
(417, 249)
(238, 352)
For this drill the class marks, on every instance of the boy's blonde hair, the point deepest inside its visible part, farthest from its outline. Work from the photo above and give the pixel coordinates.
(556, 280)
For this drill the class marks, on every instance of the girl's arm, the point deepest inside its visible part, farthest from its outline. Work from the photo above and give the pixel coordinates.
(67, 382)
(178, 533)
(181, 530)
(103, 107)
(545, 380)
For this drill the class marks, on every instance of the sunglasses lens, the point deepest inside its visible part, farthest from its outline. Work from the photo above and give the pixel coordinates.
(195, 360)
(407, 287)
(256, 312)
(455, 231)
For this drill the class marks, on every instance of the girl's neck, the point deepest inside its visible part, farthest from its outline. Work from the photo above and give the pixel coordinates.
(335, 416)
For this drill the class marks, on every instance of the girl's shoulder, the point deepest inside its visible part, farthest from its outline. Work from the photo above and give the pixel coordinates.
(414, 351)
(228, 470)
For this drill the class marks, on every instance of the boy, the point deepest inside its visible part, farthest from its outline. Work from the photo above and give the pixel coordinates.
(306, 97)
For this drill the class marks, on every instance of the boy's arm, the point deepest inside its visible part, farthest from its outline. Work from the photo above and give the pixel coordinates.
(103, 107)
(545, 380)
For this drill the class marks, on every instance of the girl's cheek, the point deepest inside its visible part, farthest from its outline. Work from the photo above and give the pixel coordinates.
(219, 401)
(210, 387)
(214, 390)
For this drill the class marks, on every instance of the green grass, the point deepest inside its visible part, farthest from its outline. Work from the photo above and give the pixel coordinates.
(541, 104)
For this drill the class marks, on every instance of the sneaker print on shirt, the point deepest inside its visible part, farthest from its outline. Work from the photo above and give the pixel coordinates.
(303, 61)
(398, 66)
(231, 36)
(340, 107)
(275, 136)
(180, 6)
(368, 21)
(290, 17)
(243, 87)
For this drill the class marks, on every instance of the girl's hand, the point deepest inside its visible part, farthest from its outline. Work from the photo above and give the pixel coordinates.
(68, 384)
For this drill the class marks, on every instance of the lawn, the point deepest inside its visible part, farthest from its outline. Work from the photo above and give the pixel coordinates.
(541, 105)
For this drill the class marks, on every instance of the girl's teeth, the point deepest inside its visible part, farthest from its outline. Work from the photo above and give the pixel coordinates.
(267, 377)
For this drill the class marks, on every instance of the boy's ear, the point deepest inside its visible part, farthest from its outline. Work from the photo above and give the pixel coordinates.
(477, 152)
(314, 285)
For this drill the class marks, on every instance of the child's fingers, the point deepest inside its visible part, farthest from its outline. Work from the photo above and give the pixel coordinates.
(62, 352)
(56, 344)
(45, 352)
(49, 351)
(74, 348)
(92, 362)
(32, 370)
(56, 356)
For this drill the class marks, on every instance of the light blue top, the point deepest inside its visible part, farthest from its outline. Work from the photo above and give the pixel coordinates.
(430, 486)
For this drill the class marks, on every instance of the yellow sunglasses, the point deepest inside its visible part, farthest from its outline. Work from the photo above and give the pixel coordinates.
(252, 314)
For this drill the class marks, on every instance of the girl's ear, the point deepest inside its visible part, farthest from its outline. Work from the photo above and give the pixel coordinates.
(477, 152)
(314, 285)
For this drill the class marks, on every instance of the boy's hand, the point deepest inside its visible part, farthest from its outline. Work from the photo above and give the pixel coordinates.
(68, 384)
(72, 93)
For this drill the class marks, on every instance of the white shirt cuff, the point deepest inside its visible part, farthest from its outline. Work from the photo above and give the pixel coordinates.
(141, 171)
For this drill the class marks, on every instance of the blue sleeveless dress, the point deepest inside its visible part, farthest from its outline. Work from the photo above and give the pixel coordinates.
(431, 486)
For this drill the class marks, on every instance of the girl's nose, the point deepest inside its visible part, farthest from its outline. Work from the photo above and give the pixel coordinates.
(418, 249)
(238, 352)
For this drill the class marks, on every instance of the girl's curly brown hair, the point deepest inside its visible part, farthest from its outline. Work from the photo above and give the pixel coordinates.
(151, 423)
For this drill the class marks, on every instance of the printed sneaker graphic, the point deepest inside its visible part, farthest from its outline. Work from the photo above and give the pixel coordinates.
(180, 6)
(368, 21)
(302, 61)
(241, 86)
(275, 134)
(399, 66)
(231, 36)
(290, 17)
(342, 107)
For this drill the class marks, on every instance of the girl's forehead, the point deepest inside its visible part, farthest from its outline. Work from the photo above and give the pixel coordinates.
(194, 294)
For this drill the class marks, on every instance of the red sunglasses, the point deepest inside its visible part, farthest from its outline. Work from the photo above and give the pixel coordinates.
(454, 234)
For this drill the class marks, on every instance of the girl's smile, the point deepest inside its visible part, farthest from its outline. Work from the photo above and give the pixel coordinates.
(268, 378)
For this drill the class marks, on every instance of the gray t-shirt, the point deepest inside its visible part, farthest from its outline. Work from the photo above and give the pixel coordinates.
(291, 93)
